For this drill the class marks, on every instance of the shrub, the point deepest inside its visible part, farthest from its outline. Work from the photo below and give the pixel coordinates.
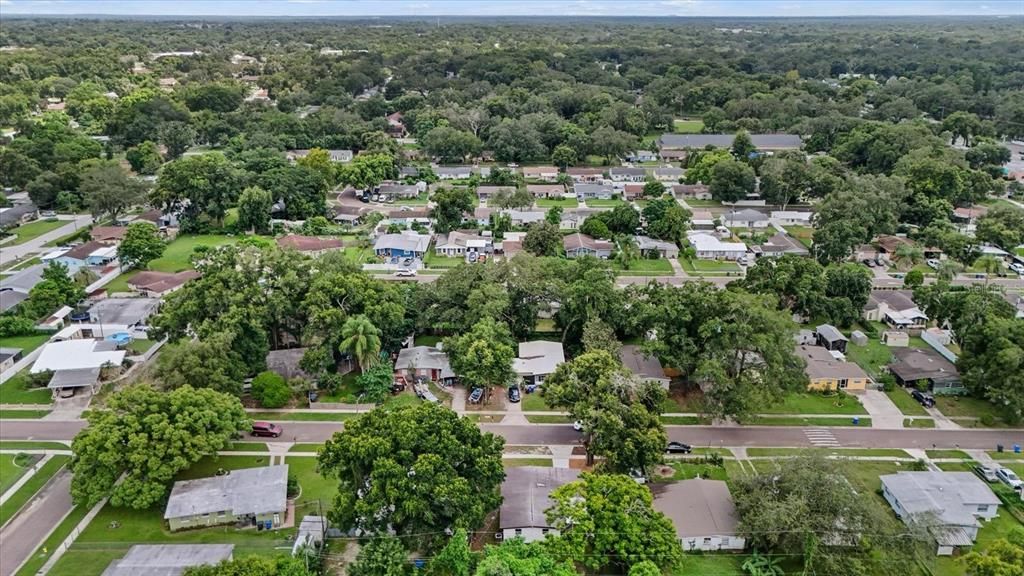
(11, 326)
(293, 485)
(987, 420)
(270, 390)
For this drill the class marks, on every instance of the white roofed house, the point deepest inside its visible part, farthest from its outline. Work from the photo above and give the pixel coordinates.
(586, 191)
(458, 244)
(526, 217)
(404, 245)
(709, 247)
(668, 173)
(641, 156)
(702, 220)
(248, 496)
(545, 173)
(627, 174)
(426, 362)
(746, 218)
(168, 559)
(791, 218)
(779, 245)
(664, 249)
(695, 191)
(485, 193)
(340, 156)
(546, 190)
(453, 172)
(537, 360)
(395, 190)
(896, 308)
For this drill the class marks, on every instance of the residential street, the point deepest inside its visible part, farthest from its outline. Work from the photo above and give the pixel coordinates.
(12, 253)
(563, 434)
(24, 533)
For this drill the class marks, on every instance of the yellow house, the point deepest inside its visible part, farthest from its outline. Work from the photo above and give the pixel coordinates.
(827, 372)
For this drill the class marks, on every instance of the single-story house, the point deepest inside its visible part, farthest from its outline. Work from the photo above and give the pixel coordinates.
(641, 156)
(131, 312)
(453, 172)
(526, 217)
(335, 155)
(702, 220)
(168, 559)
(745, 218)
(633, 191)
(709, 247)
(585, 174)
(646, 244)
(546, 173)
(458, 244)
(952, 504)
(160, 219)
(888, 245)
(11, 297)
(285, 363)
(695, 191)
(830, 338)
(668, 173)
(968, 215)
(424, 361)
(482, 215)
(394, 190)
(158, 284)
(409, 216)
(578, 244)
(396, 125)
(760, 141)
(18, 214)
(703, 513)
(312, 245)
(645, 367)
(537, 359)
(546, 190)
(826, 372)
(778, 245)
(77, 354)
(627, 174)
(108, 234)
(926, 368)
(253, 496)
(791, 218)
(672, 155)
(74, 379)
(526, 497)
(9, 357)
(408, 172)
(896, 308)
(90, 253)
(404, 245)
(485, 193)
(593, 191)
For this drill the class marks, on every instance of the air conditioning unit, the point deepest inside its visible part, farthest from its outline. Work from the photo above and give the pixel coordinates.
(498, 536)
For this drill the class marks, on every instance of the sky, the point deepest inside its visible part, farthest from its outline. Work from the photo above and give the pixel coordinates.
(706, 8)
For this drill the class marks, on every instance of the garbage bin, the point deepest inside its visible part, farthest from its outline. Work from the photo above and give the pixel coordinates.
(856, 420)
(1016, 448)
(999, 447)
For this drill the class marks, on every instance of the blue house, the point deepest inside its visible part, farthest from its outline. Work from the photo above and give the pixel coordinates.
(89, 254)
(405, 245)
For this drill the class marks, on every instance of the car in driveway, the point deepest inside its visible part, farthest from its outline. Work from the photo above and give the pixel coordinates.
(678, 448)
(932, 263)
(923, 398)
(266, 429)
(1010, 478)
(986, 473)
(476, 395)
(513, 394)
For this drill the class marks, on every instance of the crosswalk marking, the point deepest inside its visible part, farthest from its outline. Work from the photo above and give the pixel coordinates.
(821, 437)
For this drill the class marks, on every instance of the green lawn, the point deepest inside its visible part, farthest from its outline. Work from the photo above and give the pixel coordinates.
(27, 263)
(605, 203)
(644, 267)
(548, 419)
(432, 260)
(688, 470)
(962, 466)
(306, 448)
(315, 488)
(26, 343)
(12, 466)
(1009, 455)
(535, 403)
(702, 203)
(247, 447)
(995, 529)
(815, 403)
(140, 346)
(346, 392)
(302, 416)
(32, 230)
(17, 391)
(711, 565)
(552, 202)
(516, 462)
(808, 421)
(28, 445)
(871, 357)
(801, 233)
(176, 255)
(947, 454)
(918, 423)
(905, 402)
(684, 421)
(420, 200)
(688, 126)
(710, 267)
(120, 284)
(846, 452)
(426, 340)
(6, 414)
(46, 549)
(10, 507)
(966, 406)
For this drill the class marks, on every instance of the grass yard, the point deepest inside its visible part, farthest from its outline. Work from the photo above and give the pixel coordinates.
(845, 452)
(535, 403)
(547, 419)
(516, 462)
(596, 203)
(710, 565)
(420, 200)
(247, 447)
(802, 421)
(871, 357)
(963, 466)
(303, 416)
(11, 506)
(960, 454)
(140, 346)
(552, 202)
(306, 448)
(814, 403)
(688, 470)
(694, 202)
(1005, 455)
(684, 420)
(177, 254)
(45, 550)
(802, 233)
(316, 489)
(26, 343)
(644, 267)
(26, 263)
(13, 466)
(918, 423)
(35, 229)
(6, 414)
(905, 402)
(432, 260)
(17, 391)
(346, 393)
(995, 529)
(28, 445)
(717, 267)
(426, 340)
(966, 407)
(120, 284)
(688, 125)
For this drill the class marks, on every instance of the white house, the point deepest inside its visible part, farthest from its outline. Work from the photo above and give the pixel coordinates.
(641, 156)
(453, 172)
(586, 191)
(668, 173)
(791, 218)
(952, 504)
(77, 354)
(746, 218)
(703, 513)
(663, 248)
(538, 359)
(709, 247)
(526, 217)
(525, 498)
(545, 173)
(627, 174)
(457, 244)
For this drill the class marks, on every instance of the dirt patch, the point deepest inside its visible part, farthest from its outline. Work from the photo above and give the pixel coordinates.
(665, 471)
(522, 449)
(485, 535)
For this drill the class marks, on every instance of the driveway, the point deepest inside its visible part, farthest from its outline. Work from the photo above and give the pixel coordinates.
(41, 516)
(884, 414)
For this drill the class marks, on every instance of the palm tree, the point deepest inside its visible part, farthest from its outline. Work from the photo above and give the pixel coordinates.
(947, 270)
(362, 339)
(990, 264)
(762, 565)
(628, 252)
(908, 254)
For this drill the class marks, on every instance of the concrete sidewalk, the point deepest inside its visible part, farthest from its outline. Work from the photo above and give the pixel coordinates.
(22, 535)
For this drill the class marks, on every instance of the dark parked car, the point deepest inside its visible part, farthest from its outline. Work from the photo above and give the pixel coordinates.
(513, 394)
(925, 399)
(266, 429)
(678, 448)
(476, 395)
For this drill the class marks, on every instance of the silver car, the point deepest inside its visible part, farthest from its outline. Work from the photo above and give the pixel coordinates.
(987, 474)
(1009, 478)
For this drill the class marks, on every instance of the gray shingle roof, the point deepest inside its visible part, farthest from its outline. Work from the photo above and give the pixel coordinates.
(951, 498)
(830, 333)
(75, 378)
(526, 494)
(641, 365)
(697, 507)
(167, 559)
(247, 491)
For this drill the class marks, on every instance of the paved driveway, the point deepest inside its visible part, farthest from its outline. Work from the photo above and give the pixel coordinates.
(884, 414)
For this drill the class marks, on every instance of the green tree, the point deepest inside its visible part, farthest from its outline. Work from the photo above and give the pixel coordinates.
(1004, 557)
(564, 156)
(148, 437)
(56, 289)
(254, 206)
(144, 158)
(455, 559)
(415, 470)
(303, 190)
(627, 252)
(521, 559)
(654, 189)
(256, 566)
(450, 145)
(611, 143)
(619, 412)
(598, 335)
(450, 208)
(17, 169)
(645, 568)
(483, 356)
(368, 170)
(319, 160)
(199, 186)
(554, 215)
(785, 178)
(209, 362)
(271, 390)
(595, 226)
(607, 521)
(43, 189)
(1002, 226)
(701, 164)
(375, 383)
(384, 556)
(543, 239)
(913, 279)
(361, 339)
(731, 180)
(177, 137)
(962, 125)
(141, 245)
(742, 147)
(667, 220)
(109, 190)
(217, 97)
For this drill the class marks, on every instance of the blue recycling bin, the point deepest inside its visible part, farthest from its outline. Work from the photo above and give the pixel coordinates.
(1016, 448)
(269, 524)
(856, 420)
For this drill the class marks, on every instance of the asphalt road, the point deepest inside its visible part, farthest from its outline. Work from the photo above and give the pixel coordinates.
(10, 253)
(36, 521)
(563, 434)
